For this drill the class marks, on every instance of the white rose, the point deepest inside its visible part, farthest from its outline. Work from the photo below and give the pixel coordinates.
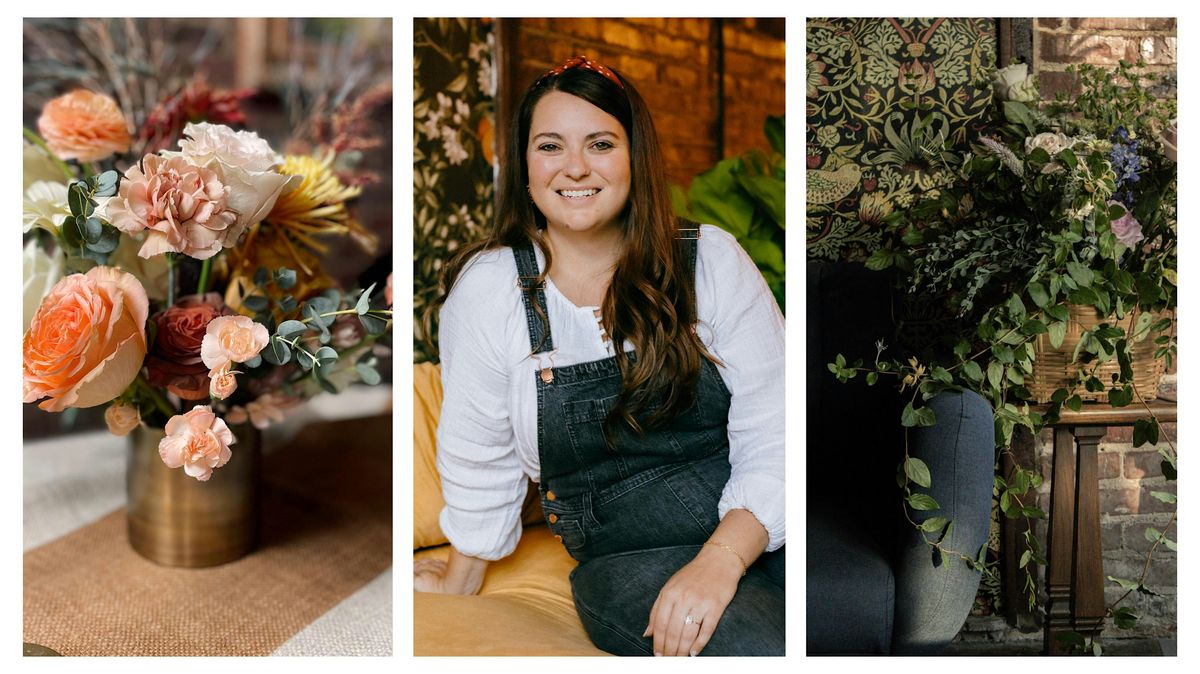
(45, 206)
(41, 272)
(37, 165)
(1014, 83)
(244, 163)
(1052, 143)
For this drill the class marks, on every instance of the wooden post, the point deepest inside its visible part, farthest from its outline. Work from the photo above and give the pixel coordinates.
(1060, 538)
(1087, 598)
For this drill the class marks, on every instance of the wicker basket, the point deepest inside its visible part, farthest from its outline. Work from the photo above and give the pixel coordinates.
(1052, 369)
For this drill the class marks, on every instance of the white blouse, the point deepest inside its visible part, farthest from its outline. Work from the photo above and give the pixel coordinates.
(487, 436)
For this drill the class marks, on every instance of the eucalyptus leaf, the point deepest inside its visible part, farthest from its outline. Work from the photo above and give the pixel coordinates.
(277, 352)
(285, 278)
(364, 301)
(289, 329)
(367, 374)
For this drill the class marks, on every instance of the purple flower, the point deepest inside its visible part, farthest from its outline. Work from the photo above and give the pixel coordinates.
(1126, 228)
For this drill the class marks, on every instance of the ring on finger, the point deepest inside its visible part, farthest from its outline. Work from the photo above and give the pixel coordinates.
(690, 621)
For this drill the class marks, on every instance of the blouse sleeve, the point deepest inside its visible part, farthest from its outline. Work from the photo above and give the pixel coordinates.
(745, 331)
(483, 482)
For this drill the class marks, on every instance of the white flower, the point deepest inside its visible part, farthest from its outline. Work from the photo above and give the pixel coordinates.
(45, 206)
(41, 272)
(245, 163)
(1052, 143)
(37, 165)
(432, 123)
(1014, 83)
(462, 111)
(485, 77)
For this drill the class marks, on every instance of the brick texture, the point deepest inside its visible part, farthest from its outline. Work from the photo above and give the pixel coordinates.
(673, 63)
(1059, 42)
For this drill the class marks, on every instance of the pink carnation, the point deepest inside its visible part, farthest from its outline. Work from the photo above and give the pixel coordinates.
(183, 208)
(198, 440)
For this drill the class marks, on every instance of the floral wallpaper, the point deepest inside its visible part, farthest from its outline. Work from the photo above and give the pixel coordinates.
(885, 97)
(454, 88)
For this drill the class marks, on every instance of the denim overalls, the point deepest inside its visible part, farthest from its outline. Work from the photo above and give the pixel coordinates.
(635, 511)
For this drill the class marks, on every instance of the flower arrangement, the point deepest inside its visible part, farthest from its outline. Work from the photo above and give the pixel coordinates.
(183, 287)
(1065, 205)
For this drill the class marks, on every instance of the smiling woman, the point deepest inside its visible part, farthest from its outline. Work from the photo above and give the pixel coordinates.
(629, 362)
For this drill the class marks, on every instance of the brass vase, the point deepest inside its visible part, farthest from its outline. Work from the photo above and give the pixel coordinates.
(176, 520)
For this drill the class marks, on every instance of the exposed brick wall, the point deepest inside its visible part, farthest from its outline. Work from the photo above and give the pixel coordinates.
(1058, 43)
(673, 62)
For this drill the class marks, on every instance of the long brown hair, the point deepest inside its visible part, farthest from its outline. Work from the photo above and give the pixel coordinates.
(651, 300)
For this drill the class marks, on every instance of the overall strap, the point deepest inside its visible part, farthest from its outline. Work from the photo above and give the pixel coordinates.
(533, 295)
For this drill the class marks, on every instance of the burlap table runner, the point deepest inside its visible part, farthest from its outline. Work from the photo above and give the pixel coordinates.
(325, 532)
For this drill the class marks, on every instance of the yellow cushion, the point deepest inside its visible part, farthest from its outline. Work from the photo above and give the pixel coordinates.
(427, 488)
(523, 608)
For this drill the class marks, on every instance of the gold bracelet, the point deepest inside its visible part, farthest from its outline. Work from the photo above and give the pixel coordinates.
(745, 566)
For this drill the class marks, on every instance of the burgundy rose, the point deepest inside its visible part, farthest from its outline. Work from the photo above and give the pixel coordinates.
(174, 361)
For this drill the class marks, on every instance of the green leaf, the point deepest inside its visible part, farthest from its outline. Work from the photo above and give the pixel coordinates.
(1152, 534)
(917, 471)
(1075, 403)
(1018, 113)
(1081, 274)
(1058, 332)
(1025, 557)
(995, 373)
(1059, 312)
(1124, 617)
(1164, 496)
(289, 329)
(1037, 292)
(364, 301)
(881, 259)
(1059, 395)
(922, 502)
(764, 253)
(1127, 584)
(941, 374)
(374, 325)
(255, 303)
(872, 377)
(261, 276)
(78, 201)
(367, 374)
(285, 278)
(972, 371)
(326, 356)
(277, 352)
(286, 304)
(93, 228)
(305, 359)
(774, 129)
(1145, 431)
(1034, 327)
(716, 197)
(934, 524)
(254, 362)
(110, 238)
(1168, 470)
(1016, 308)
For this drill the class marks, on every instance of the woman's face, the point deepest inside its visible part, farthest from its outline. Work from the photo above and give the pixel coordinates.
(578, 158)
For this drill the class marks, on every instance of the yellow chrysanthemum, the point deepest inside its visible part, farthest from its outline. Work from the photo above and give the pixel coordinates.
(314, 208)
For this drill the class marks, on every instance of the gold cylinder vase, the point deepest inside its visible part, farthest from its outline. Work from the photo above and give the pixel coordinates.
(176, 520)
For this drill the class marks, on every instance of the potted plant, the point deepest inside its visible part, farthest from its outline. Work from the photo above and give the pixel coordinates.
(1053, 255)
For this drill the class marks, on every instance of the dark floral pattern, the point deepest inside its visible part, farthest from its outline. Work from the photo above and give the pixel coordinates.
(885, 97)
(453, 151)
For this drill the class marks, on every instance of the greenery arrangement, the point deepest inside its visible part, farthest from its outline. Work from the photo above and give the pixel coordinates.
(744, 195)
(1071, 202)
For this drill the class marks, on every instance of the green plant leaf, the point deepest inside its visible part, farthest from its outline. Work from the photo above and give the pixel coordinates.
(289, 329)
(934, 524)
(764, 253)
(775, 130)
(1164, 496)
(1124, 617)
(1075, 403)
(367, 374)
(1127, 584)
(326, 356)
(917, 471)
(995, 373)
(972, 371)
(364, 301)
(374, 325)
(716, 197)
(1057, 332)
(1037, 292)
(277, 352)
(922, 502)
(255, 303)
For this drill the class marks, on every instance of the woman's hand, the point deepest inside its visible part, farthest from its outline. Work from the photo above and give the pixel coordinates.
(459, 574)
(429, 575)
(701, 589)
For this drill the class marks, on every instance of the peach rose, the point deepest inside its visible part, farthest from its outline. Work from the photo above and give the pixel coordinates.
(122, 418)
(232, 339)
(182, 207)
(84, 125)
(198, 440)
(87, 340)
(223, 383)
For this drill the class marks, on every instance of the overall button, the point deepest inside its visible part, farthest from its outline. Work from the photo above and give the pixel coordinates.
(553, 518)
(550, 496)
